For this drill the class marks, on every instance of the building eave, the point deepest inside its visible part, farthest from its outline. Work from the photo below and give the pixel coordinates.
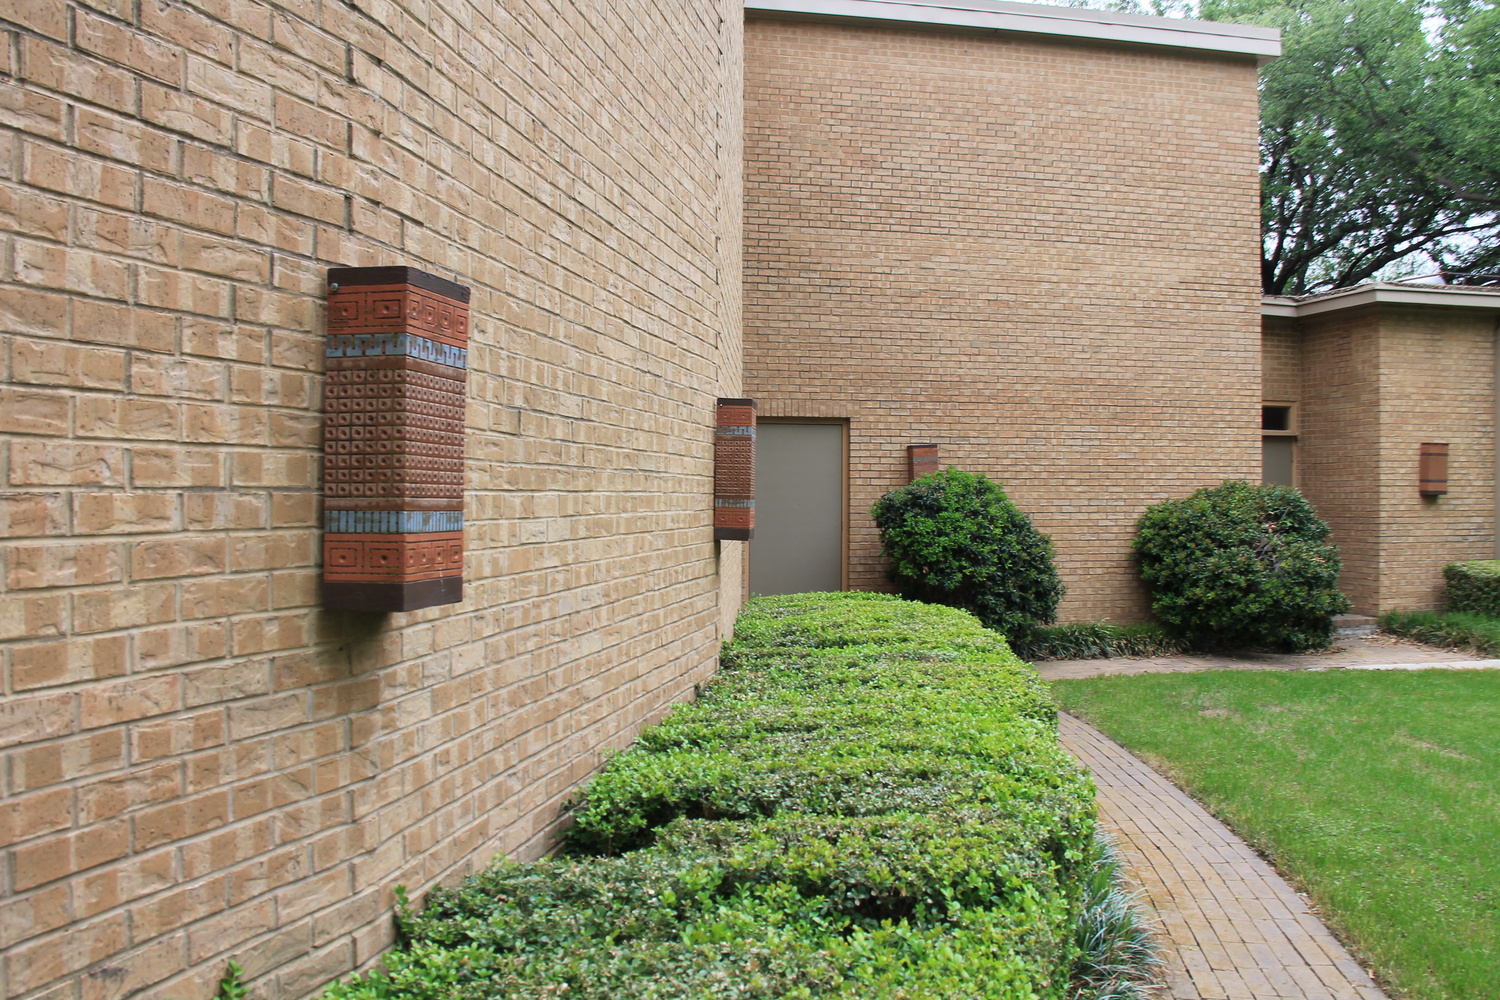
(1380, 293)
(1062, 23)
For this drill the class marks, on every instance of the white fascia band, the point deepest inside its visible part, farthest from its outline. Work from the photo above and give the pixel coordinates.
(1480, 297)
(1208, 37)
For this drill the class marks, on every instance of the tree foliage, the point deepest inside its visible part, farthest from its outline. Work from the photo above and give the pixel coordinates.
(1380, 137)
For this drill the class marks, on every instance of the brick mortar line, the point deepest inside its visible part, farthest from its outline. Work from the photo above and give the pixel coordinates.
(504, 773)
(494, 781)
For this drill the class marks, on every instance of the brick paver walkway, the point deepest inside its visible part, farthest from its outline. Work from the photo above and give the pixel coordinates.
(1235, 929)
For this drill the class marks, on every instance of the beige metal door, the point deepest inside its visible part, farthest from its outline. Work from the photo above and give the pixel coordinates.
(1278, 460)
(799, 508)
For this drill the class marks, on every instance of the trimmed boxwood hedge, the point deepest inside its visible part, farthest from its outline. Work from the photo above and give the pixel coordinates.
(1473, 586)
(868, 801)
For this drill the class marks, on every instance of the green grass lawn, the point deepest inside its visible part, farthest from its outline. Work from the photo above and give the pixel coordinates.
(1377, 792)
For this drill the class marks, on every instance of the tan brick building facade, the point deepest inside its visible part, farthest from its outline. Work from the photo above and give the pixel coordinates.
(1373, 373)
(1039, 252)
(195, 761)
(1026, 234)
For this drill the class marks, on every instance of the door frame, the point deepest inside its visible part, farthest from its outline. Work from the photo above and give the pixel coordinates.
(1290, 434)
(843, 489)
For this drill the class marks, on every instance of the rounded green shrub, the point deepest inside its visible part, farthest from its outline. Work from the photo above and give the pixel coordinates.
(953, 538)
(1237, 565)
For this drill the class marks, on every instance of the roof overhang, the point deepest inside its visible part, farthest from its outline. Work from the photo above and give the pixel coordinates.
(1381, 293)
(1061, 23)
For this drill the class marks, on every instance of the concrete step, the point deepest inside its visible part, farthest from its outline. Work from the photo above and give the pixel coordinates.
(1352, 626)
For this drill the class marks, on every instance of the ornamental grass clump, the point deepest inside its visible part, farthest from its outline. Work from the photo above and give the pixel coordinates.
(869, 801)
(1118, 954)
(1461, 630)
(1097, 640)
(1240, 566)
(954, 538)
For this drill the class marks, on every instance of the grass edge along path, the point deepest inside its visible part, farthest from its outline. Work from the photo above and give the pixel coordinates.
(869, 800)
(1374, 792)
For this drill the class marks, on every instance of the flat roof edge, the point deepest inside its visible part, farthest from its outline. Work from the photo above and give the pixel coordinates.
(1034, 19)
(1453, 297)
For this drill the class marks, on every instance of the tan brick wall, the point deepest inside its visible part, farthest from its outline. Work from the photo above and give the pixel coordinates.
(195, 762)
(1377, 382)
(1437, 383)
(1043, 257)
(1281, 360)
(1338, 442)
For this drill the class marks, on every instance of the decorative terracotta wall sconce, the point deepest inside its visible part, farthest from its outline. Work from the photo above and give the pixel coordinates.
(920, 460)
(393, 439)
(734, 470)
(1432, 472)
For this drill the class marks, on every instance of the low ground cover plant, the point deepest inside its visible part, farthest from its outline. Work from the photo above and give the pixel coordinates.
(1238, 565)
(954, 538)
(1119, 956)
(1373, 790)
(1461, 630)
(1096, 640)
(868, 801)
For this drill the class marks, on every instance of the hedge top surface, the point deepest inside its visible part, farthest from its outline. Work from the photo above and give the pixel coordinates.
(1485, 568)
(868, 802)
(851, 618)
(808, 716)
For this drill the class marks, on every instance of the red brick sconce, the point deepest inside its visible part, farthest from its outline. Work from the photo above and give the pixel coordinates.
(1432, 471)
(734, 470)
(920, 460)
(393, 439)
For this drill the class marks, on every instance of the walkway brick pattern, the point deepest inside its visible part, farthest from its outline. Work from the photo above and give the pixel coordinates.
(1235, 929)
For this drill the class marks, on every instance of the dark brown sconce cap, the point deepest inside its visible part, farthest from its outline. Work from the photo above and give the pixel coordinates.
(344, 277)
(357, 596)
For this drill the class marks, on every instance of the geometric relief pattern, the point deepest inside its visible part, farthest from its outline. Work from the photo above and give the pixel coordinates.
(393, 433)
(395, 558)
(380, 306)
(393, 439)
(391, 522)
(734, 470)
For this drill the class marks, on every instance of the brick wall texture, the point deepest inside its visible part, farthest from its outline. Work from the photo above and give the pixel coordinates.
(1281, 360)
(1042, 257)
(195, 761)
(1338, 444)
(1372, 384)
